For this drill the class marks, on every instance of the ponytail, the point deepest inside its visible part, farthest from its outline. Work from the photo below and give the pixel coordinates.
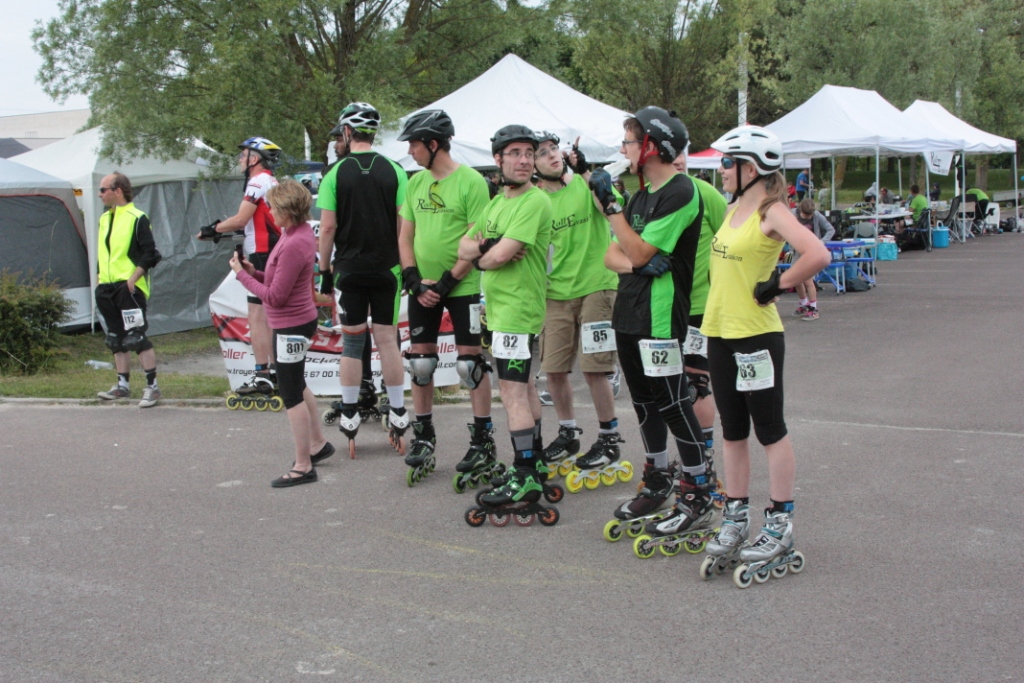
(775, 192)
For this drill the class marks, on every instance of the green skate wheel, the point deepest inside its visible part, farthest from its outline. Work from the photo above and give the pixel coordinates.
(549, 517)
(740, 578)
(671, 549)
(411, 478)
(613, 531)
(707, 568)
(626, 473)
(643, 546)
(574, 482)
(232, 402)
(277, 404)
(475, 517)
(459, 486)
(797, 565)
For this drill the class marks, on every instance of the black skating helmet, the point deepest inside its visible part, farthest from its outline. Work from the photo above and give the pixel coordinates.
(430, 124)
(665, 129)
(544, 136)
(509, 134)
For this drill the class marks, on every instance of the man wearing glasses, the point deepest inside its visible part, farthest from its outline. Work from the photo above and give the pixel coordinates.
(126, 253)
(442, 205)
(518, 219)
(814, 221)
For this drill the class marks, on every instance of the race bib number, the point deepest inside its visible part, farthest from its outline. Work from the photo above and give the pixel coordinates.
(474, 319)
(133, 318)
(291, 348)
(661, 357)
(754, 371)
(509, 346)
(696, 344)
(598, 337)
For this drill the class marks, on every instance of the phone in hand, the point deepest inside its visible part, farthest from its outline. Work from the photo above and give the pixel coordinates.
(238, 253)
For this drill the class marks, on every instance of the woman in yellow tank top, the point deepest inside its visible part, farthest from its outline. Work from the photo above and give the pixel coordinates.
(746, 348)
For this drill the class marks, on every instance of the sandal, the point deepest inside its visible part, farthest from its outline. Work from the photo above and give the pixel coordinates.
(303, 478)
(324, 453)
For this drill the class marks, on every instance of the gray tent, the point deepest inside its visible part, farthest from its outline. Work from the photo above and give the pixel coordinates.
(41, 233)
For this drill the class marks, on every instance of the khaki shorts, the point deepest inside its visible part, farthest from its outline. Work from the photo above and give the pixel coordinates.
(560, 339)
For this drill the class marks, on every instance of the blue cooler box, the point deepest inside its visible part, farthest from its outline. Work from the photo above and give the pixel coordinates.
(940, 237)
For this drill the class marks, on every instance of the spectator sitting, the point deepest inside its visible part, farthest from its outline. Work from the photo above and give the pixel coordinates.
(917, 202)
(886, 197)
(981, 199)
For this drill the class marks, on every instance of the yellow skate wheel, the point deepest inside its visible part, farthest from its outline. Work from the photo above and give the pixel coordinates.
(564, 469)
(608, 478)
(232, 402)
(633, 531)
(574, 482)
(643, 546)
(626, 473)
(670, 549)
(694, 547)
(277, 404)
(592, 480)
(246, 403)
(739, 579)
(613, 531)
(261, 404)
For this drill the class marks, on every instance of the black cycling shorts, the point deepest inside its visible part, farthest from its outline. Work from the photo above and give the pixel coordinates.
(736, 409)
(291, 377)
(114, 297)
(259, 262)
(425, 323)
(512, 370)
(369, 294)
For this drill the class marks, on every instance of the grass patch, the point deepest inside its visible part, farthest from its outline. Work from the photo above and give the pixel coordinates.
(67, 376)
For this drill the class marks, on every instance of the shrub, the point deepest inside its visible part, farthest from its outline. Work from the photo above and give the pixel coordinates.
(30, 313)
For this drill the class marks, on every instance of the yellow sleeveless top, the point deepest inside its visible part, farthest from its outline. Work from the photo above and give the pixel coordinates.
(740, 258)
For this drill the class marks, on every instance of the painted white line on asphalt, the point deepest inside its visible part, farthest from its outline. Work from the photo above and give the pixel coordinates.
(966, 432)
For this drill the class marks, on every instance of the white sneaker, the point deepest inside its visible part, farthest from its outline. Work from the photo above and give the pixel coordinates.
(116, 392)
(150, 396)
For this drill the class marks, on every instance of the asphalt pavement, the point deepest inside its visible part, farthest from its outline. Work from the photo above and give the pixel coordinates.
(149, 546)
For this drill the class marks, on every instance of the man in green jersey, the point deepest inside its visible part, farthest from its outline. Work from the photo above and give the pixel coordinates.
(918, 202)
(695, 353)
(360, 198)
(580, 297)
(516, 219)
(442, 205)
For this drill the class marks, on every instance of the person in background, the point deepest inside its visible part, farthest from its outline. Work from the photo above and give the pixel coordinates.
(981, 203)
(803, 184)
(871, 192)
(886, 197)
(935, 193)
(286, 289)
(917, 202)
(814, 221)
(620, 187)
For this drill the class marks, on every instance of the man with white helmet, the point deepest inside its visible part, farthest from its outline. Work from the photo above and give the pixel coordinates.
(360, 199)
(256, 160)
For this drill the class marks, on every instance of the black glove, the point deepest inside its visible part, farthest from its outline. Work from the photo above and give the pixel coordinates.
(601, 186)
(209, 232)
(581, 161)
(446, 284)
(326, 282)
(486, 245)
(656, 267)
(765, 291)
(413, 281)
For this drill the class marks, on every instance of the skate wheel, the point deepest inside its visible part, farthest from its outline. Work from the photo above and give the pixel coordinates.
(472, 483)
(694, 547)
(644, 546)
(718, 502)
(499, 519)
(474, 517)
(592, 480)
(608, 478)
(762, 575)
(626, 473)
(480, 494)
(633, 531)
(554, 494)
(574, 482)
(329, 417)
(780, 571)
(457, 484)
(246, 403)
(671, 549)
(524, 519)
(707, 568)
(398, 443)
(277, 404)
(431, 464)
(796, 565)
(613, 531)
(351, 449)
(231, 402)
(564, 469)
(549, 516)
(740, 577)
(262, 404)
(411, 477)
(384, 422)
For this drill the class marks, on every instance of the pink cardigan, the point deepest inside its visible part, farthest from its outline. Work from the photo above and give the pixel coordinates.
(286, 287)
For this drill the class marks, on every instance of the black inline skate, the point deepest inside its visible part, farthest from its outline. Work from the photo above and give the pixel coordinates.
(260, 392)
(650, 505)
(517, 500)
(369, 410)
(687, 527)
(398, 424)
(480, 464)
(348, 424)
(600, 465)
(560, 455)
(420, 459)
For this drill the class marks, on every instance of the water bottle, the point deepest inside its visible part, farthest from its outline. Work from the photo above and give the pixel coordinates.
(99, 365)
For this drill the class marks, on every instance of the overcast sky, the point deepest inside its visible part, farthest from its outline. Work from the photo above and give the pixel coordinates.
(19, 92)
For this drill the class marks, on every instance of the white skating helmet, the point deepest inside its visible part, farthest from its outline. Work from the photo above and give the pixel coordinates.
(757, 145)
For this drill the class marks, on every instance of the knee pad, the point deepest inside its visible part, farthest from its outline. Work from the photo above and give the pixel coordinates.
(421, 366)
(114, 343)
(769, 434)
(698, 385)
(352, 344)
(472, 369)
(136, 341)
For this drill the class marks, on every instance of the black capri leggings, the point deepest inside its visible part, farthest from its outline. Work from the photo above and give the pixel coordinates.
(736, 409)
(291, 377)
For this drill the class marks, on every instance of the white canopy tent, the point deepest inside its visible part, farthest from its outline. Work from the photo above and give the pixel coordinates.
(514, 91)
(976, 141)
(176, 202)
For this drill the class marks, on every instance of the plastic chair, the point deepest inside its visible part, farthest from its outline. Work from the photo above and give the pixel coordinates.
(919, 234)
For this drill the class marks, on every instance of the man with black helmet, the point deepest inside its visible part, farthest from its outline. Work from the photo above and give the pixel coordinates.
(654, 250)
(360, 198)
(442, 205)
(517, 219)
(580, 297)
(256, 161)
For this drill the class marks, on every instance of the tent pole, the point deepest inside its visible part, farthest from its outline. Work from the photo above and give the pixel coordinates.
(878, 191)
(899, 169)
(833, 160)
(1016, 195)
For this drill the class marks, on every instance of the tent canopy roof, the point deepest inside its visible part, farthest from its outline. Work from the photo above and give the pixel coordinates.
(24, 179)
(514, 91)
(852, 122)
(976, 141)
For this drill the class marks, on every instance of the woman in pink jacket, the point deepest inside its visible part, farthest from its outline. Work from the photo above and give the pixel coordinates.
(286, 288)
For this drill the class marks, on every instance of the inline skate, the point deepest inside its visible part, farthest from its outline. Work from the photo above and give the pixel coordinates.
(517, 500)
(420, 459)
(599, 465)
(553, 493)
(479, 464)
(724, 548)
(560, 454)
(367, 405)
(650, 504)
(348, 424)
(397, 426)
(687, 527)
(260, 392)
(771, 553)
